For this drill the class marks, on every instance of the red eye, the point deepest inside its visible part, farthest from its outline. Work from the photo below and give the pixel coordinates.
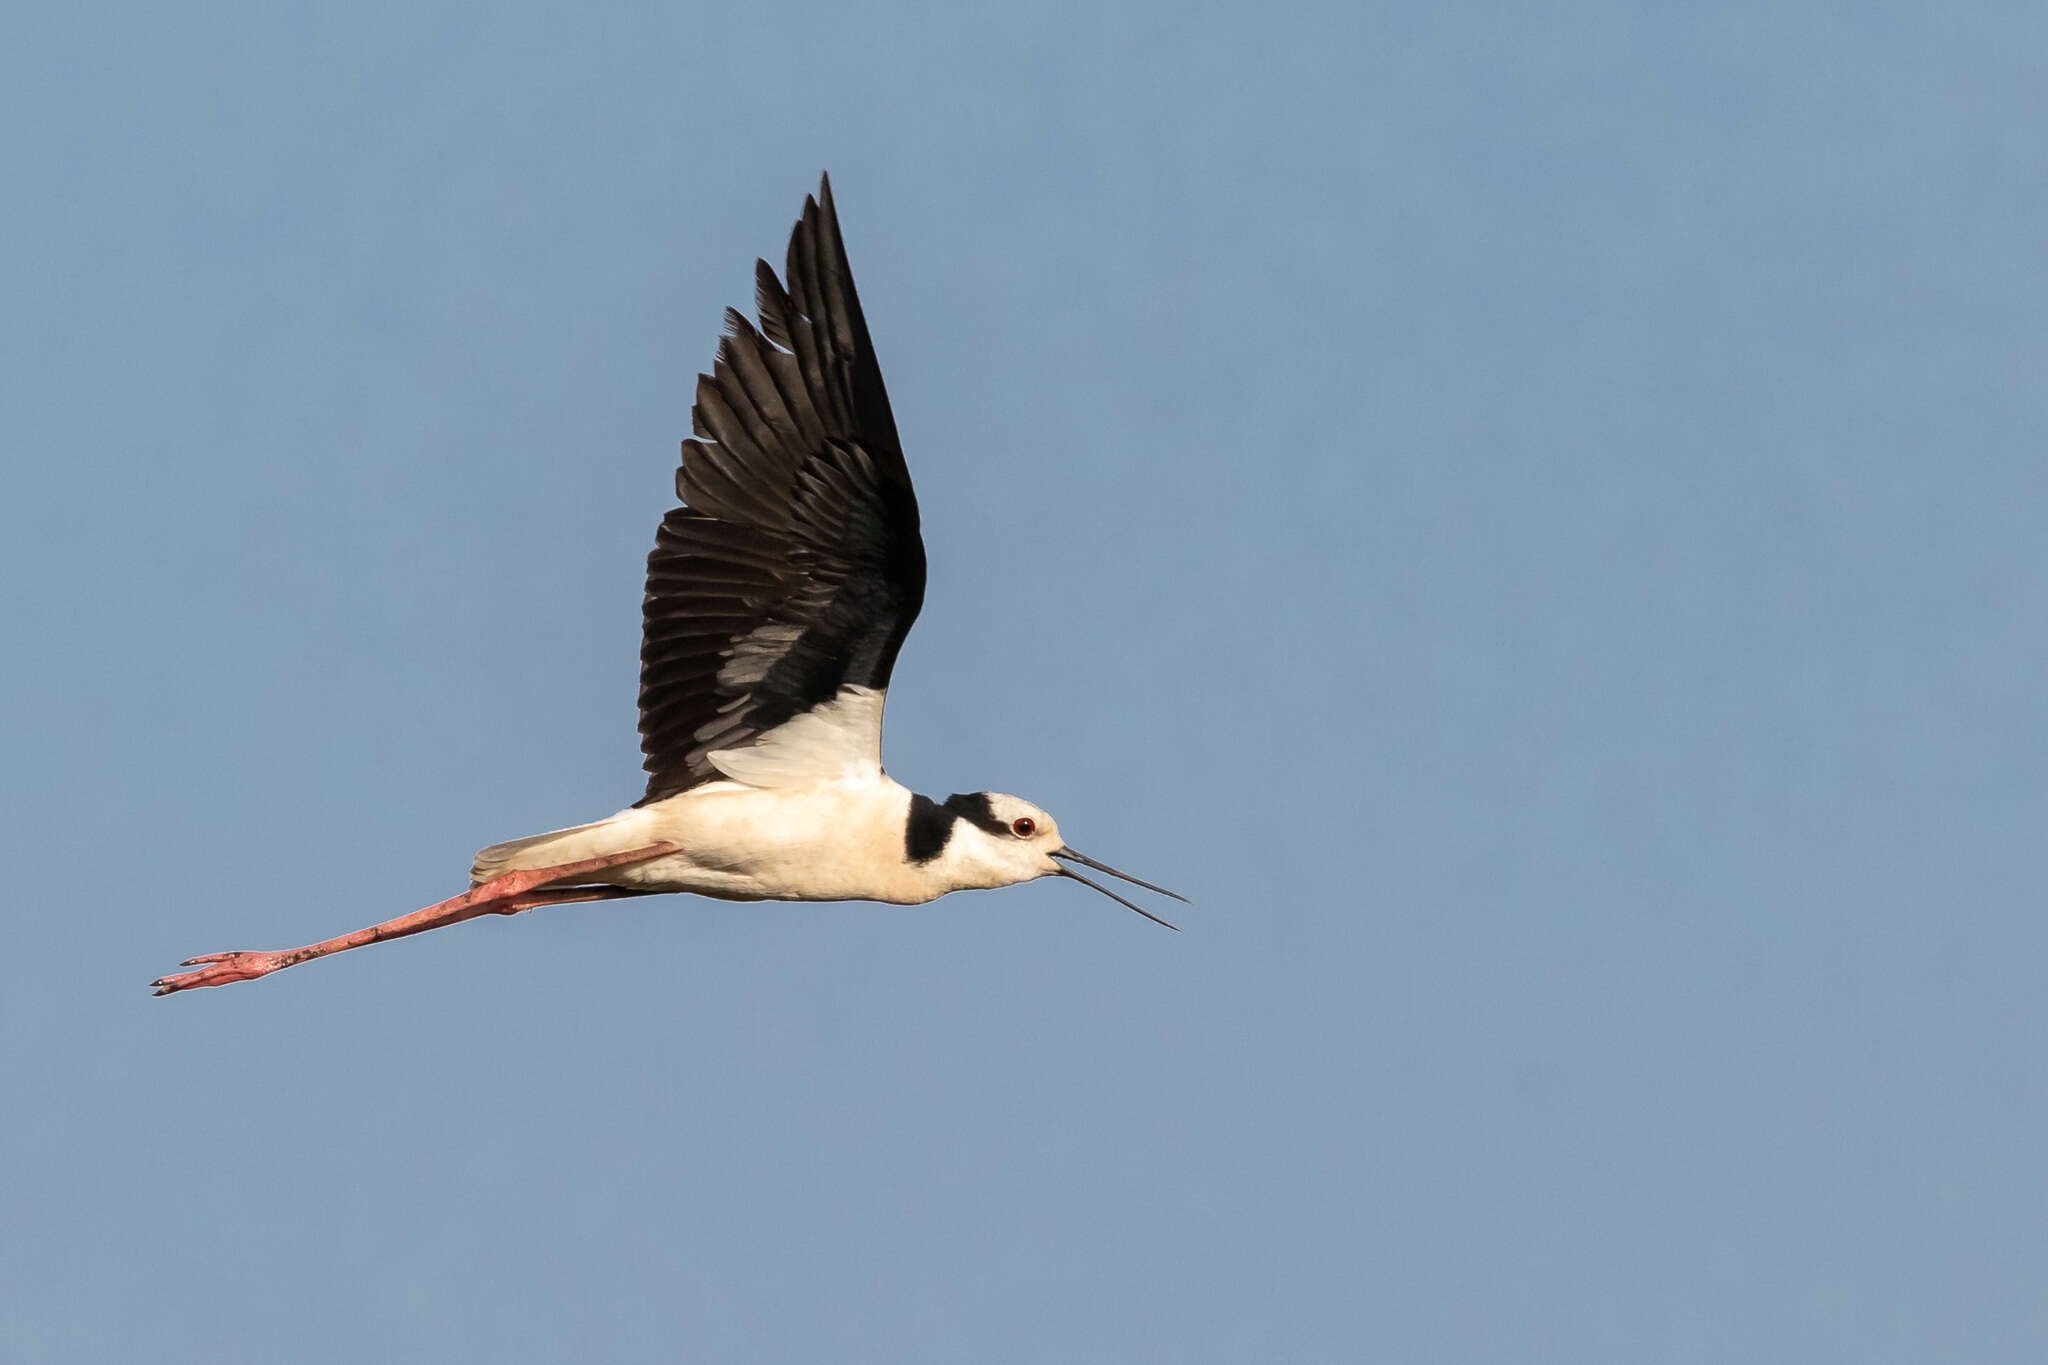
(1023, 826)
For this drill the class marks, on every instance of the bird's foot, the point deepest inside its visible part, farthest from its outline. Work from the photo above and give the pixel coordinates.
(221, 969)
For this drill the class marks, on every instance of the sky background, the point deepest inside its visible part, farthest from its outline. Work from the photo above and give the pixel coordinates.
(1532, 516)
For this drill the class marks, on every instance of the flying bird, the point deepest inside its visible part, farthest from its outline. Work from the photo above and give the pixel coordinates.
(778, 596)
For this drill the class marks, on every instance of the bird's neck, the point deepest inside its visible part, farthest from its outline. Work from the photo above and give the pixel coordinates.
(943, 852)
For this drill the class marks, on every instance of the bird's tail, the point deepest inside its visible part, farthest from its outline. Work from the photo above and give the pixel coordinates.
(539, 850)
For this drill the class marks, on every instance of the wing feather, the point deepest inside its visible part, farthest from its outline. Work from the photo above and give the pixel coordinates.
(779, 596)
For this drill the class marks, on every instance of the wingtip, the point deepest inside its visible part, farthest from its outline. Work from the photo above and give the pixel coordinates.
(826, 209)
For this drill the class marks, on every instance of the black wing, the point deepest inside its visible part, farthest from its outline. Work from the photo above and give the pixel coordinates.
(797, 568)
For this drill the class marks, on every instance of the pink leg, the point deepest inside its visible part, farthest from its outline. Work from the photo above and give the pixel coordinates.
(506, 895)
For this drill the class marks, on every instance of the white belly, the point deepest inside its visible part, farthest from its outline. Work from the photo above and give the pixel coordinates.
(838, 842)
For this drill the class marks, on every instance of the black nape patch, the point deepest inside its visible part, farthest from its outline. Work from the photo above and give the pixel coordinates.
(928, 830)
(974, 808)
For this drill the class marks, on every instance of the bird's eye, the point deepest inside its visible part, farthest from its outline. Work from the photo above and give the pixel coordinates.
(1023, 826)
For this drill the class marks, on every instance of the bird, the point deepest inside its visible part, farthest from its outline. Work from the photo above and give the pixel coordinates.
(779, 592)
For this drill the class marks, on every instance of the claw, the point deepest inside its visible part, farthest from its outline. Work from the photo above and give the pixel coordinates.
(220, 969)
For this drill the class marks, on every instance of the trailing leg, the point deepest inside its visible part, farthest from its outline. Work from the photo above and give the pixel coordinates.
(505, 895)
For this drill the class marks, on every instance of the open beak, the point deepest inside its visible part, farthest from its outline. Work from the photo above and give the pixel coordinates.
(1068, 855)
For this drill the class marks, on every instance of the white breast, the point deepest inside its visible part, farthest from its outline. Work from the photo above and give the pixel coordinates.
(834, 841)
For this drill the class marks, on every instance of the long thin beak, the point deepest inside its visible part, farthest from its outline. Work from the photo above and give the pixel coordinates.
(1086, 861)
(1069, 855)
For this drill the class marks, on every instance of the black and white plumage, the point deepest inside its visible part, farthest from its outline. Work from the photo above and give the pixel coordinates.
(796, 567)
(778, 597)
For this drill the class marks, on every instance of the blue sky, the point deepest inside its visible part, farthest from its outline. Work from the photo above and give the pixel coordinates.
(1531, 516)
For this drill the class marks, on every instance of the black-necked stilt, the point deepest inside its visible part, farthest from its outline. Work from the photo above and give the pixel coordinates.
(777, 598)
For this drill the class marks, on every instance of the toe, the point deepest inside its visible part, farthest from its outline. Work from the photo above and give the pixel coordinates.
(218, 969)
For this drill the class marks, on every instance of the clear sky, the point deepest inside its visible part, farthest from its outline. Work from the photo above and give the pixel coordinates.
(1532, 516)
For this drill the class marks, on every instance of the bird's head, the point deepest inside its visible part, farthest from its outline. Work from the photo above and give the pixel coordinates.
(997, 840)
